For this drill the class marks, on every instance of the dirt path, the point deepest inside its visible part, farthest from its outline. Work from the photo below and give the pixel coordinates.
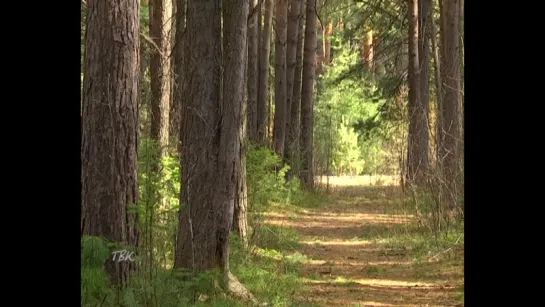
(349, 264)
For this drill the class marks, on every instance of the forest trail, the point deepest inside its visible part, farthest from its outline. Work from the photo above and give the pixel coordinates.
(356, 254)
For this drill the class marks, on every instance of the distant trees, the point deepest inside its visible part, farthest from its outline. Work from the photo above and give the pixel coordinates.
(160, 29)
(253, 69)
(263, 88)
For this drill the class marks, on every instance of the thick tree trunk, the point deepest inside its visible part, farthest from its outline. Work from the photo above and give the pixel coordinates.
(212, 137)
(110, 125)
(462, 91)
(160, 25)
(263, 91)
(450, 55)
(231, 181)
(252, 70)
(416, 148)
(307, 88)
(180, 47)
(201, 242)
(291, 62)
(240, 216)
(280, 95)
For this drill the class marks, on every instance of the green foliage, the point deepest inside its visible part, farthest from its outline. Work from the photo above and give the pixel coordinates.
(94, 281)
(270, 275)
(93, 251)
(159, 189)
(347, 96)
(156, 284)
(266, 179)
(271, 281)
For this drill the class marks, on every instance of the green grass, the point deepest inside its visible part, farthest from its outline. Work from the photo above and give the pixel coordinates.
(271, 275)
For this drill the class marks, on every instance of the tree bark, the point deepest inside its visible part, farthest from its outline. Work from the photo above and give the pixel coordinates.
(240, 215)
(263, 91)
(279, 127)
(450, 55)
(212, 137)
(180, 47)
(201, 242)
(424, 61)
(160, 28)
(291, 61)
(307, 88)
(439, 94)
(252, 70)
(110, 99)
(231, 181)
(416, 148)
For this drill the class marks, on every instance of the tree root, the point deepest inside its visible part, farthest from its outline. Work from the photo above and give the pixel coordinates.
(237, 290)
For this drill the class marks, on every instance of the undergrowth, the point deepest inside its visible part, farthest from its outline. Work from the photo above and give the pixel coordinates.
(269, 269)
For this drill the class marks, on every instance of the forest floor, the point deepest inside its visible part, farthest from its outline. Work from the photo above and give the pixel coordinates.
(361, 249)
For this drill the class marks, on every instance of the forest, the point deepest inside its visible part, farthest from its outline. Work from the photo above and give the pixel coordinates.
(272, 153)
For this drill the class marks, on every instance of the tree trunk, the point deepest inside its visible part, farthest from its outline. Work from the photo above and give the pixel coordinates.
(110, 101)
(180, 47)
(379, 58)
(368, 50)
(212, 136)
(462, 91)
(231, 181)
(201, 242)
(240, 216)
(293, 39)
(294, 128)
(253, 74)
(424, 61)
(439, 94)
(280, 111)
(160, 25)
(416, 147)
(263, 91)
(450, 54)
(327, 40)
(309, 67)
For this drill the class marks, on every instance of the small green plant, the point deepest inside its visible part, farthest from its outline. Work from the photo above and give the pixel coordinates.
(266, 179)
